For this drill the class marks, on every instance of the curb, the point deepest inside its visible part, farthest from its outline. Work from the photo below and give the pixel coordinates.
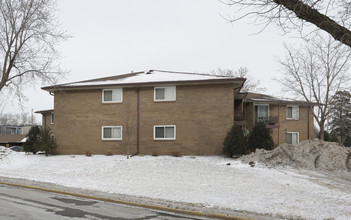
(155, 207)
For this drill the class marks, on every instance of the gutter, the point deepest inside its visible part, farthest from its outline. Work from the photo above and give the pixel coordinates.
(143, 84)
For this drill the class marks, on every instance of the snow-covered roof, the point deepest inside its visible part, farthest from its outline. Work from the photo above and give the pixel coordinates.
(44, 111)
(11, 138)
(263, 98)
(148, 77)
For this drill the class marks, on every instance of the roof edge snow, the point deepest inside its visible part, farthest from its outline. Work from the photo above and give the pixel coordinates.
(146, 78)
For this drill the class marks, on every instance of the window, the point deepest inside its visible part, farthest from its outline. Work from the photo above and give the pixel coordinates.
(262, 113)
(52, 118)
(292, 137)
(112, 133)
(112, 95)
(164, 132)
(167, 93)
(292, 112)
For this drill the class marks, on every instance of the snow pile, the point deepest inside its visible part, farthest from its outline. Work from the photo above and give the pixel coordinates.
(10, 158)
(310, 154)
(4, 152)
(209, 183)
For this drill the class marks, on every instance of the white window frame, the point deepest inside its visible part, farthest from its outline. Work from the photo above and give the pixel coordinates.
(298, 136)
(52, 118)
(111, 139)
(165, 87)
(164, 126)
(292, 107)
(255, 119)
(116, 89)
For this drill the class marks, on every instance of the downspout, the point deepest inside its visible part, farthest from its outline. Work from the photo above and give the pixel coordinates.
(138, 123)
(278, 123)
(44, 117)
(138, 119)
(52, 94)
(308, 123)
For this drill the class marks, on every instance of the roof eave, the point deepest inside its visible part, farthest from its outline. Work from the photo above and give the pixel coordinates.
(144, 84)
(44, 111)
(283, 102)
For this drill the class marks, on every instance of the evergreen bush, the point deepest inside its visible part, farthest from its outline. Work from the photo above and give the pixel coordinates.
(235, 142)
(326, 136)
(333, 137)
(260, 138)
(48, 143)
(347, 142)
(40, 141)
(32, 143)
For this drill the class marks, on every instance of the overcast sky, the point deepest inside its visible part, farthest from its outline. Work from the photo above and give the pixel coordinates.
(114, 37)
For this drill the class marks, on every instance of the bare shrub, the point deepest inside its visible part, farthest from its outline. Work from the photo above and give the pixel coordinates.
(176, 154)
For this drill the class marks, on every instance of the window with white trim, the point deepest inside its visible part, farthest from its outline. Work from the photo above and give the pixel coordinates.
(292, 112)
(111, 132)
(112, 95)
(292, 137)
(52, 117)
(166, 93)
(164, 132)
(261, 113)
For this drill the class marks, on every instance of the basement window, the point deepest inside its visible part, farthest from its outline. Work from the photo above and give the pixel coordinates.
(292, 137)
(167, 93)
(164, 132)
(112, 133)
(112, 95)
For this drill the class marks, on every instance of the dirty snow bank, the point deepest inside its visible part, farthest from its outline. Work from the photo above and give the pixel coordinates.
(310, 154)
(206, 182)
(6, 154)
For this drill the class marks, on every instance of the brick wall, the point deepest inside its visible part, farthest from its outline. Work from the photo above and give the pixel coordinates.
(304, 125)
(46, 120)
(202, 114)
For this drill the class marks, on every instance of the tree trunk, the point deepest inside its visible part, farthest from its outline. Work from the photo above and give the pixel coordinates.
(311, 15)
(321, 131)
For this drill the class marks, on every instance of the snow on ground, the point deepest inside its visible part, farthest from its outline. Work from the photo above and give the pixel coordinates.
(204, 181)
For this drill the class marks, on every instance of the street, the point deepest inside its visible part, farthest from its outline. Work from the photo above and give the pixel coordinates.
(22, 203)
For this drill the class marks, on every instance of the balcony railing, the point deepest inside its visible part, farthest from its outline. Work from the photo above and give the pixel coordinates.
(267, 120)
(238, 118)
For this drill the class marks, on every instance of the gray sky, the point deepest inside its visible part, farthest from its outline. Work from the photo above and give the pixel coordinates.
(113, 37)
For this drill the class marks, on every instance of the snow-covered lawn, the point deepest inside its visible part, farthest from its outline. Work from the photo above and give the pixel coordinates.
(206, 181)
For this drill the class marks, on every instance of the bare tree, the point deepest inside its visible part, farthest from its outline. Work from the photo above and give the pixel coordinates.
(29, 33)
(315, 72)
(332, 16)
(16, 119)
(250, 85)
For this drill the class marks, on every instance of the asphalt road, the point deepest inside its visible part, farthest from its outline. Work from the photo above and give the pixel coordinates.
(22, 203)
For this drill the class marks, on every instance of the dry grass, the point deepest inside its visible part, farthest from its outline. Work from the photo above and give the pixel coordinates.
(176, 154)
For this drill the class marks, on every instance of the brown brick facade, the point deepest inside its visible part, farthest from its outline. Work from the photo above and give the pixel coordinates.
(47, 124)
(280, 124)
(202, 115)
